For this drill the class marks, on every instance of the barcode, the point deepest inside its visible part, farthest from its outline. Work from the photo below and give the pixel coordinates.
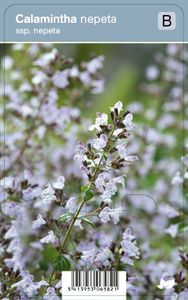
(95, 279)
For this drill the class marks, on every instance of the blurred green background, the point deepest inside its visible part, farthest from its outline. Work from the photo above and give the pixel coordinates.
(124, 69)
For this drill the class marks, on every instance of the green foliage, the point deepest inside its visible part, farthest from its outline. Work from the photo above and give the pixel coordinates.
(50, 254)
(86, 220)
(87, 193)
(65, 217)
(62, 264)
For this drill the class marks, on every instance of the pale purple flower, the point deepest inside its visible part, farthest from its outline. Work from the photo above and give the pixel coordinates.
(48, 194)
(108, 214)
(95, 64)
(105, 258)
(152, 72)
(122, 151)
(104, 215)
(25, 87)
(177, 179)
(88, 257)
(8, 182)
(38, 222)
(168, 210)
(26, 284)
(49, 239)
(97, 86)
(130, 248)
(80, 153)
(29, 194)
(51, 294)
(183, 295)
(107, 185)
(39, 78)
(71, 205)
(11, 232)
(60, 79)
(128, 122)
(46, 58)
(7, 63)
(85, 78)
(185, 159)
(100, 142)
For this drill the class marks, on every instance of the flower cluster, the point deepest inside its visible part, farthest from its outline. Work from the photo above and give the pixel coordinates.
(69, 205)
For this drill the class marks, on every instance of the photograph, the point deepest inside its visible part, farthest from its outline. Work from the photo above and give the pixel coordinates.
(94, 168)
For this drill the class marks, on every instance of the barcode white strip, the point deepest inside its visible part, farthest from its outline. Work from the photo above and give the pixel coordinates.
(93, 284)
(94, 279)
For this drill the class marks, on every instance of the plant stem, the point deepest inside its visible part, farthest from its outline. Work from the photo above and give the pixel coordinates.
(75, 217)
(72, 224)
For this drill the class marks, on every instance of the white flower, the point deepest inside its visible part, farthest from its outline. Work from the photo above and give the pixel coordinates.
(101, 120)
(88, 256)
(152, 72)
(7, 62)
(104, 215)
(38, 222)
(122, 150)
(97, 86)
(39, 77)
(130, 248)
(100, 142)
(107, 185)
(128, 122)
(95, 64)
(105, 258)
(49, 239)
(50, 294)
(48, 195)
(26, 284)
(117, 131)
(11, 232)
(177, 179)
(172, 230)
(80, 153)
(74, 72)
(71, 206)
(115, 214)
(85, 78)
(46, 58)
(107, 213)
(59, 184)
(166, 284)
(7, 182)
(118, 106)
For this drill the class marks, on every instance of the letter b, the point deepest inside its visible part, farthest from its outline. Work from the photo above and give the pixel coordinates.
(166, 21)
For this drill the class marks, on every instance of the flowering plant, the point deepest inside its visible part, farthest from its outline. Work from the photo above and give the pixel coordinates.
(83, 195)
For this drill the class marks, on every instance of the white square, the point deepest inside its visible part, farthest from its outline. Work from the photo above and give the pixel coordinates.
(166, 20)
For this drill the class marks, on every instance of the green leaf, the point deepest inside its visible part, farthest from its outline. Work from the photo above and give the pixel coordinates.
(65, 217)
(182, 227)
(50, 254)
(84, 188)
(88, 222)
(87, 193)
(62, 264)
